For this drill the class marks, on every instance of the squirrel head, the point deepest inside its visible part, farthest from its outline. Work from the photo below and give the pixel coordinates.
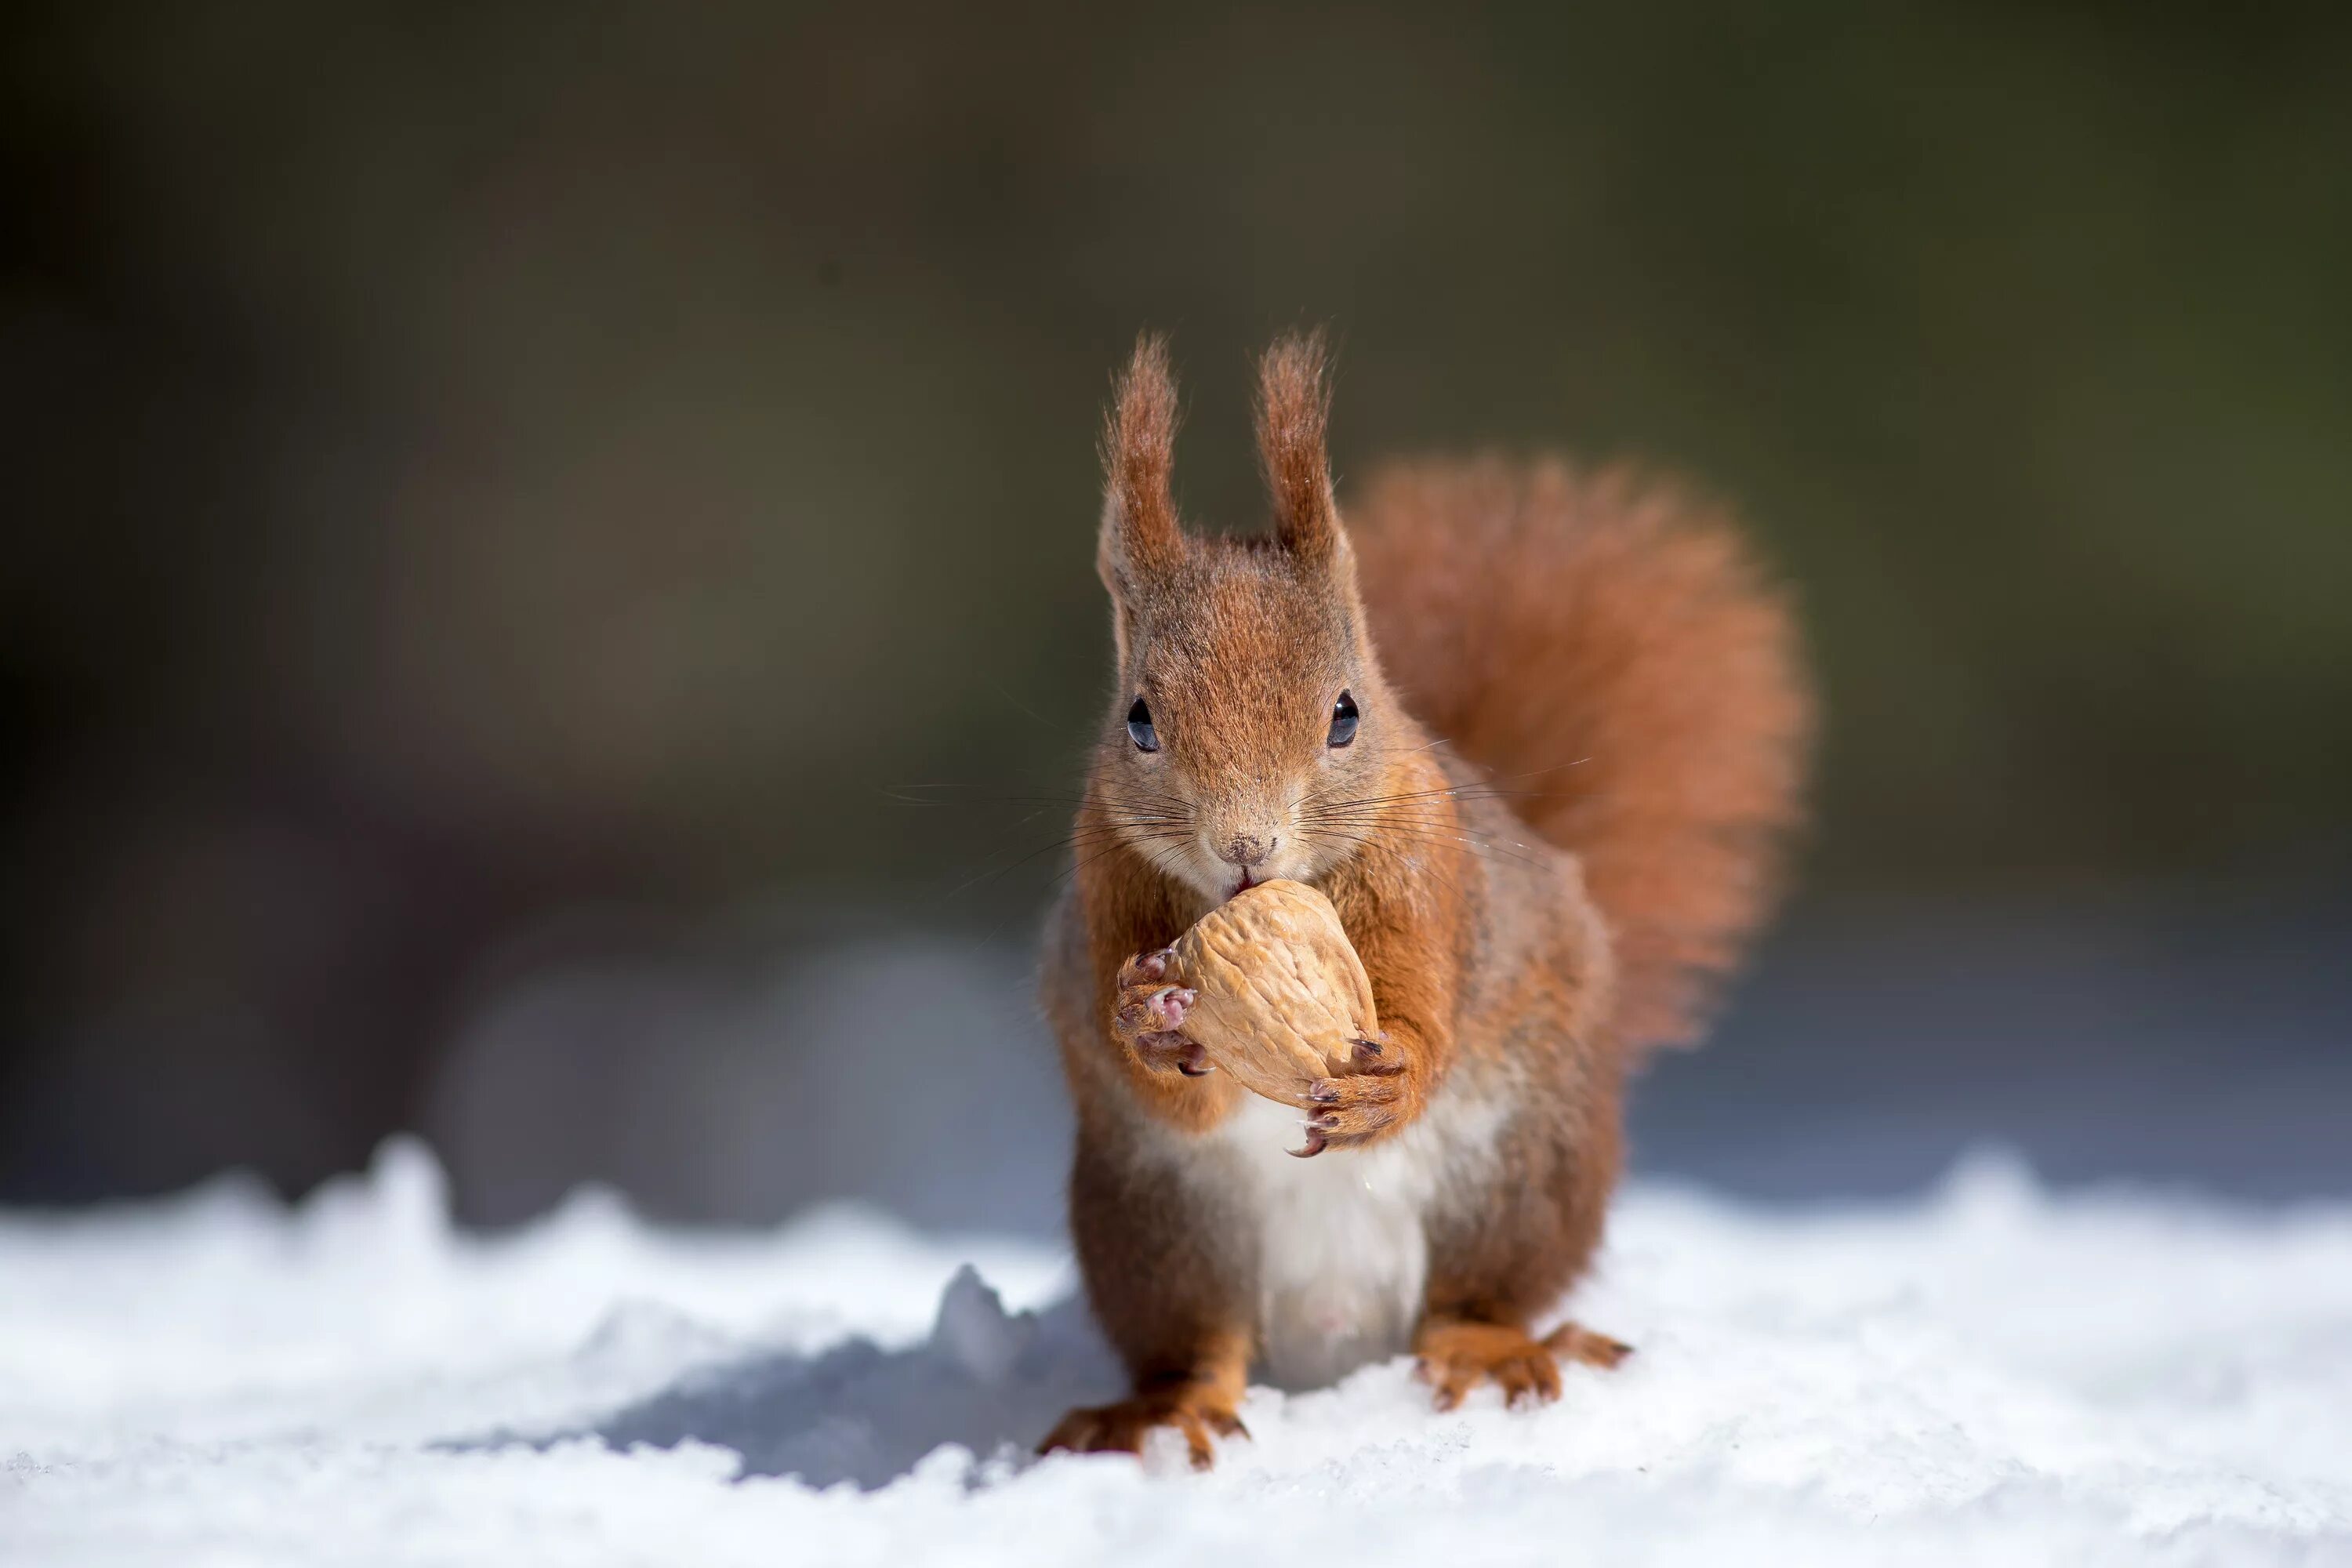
(1250, 722)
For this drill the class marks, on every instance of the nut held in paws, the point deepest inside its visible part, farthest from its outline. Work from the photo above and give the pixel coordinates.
(1282, 997)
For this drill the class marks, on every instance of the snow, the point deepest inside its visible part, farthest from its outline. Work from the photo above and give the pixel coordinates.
(1989, 1373)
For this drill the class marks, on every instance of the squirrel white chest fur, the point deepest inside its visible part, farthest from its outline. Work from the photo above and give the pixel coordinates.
(1343, 1240)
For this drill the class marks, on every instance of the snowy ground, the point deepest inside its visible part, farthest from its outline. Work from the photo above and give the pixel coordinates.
(1988, 1376)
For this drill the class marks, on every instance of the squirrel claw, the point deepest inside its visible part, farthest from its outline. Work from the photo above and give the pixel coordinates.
(1315, 1144)
(1166, 1048)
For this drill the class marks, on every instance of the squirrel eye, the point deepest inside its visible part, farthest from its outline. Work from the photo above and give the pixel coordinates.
(1343, 719)
(1138, 728)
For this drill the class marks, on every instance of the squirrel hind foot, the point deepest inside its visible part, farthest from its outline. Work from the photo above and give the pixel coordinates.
(1457, 1355)
(1574, 1341)
(1194, 1412)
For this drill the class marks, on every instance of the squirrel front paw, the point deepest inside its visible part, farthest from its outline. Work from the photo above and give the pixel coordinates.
(1149, 1017)
(1372, 1096)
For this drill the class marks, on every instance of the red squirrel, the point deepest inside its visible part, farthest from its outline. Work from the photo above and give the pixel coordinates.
(1538, 734)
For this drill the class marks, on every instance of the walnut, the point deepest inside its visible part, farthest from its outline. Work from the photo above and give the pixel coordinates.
(1282, 996)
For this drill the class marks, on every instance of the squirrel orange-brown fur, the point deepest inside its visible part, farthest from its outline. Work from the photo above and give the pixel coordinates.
(1592, 657)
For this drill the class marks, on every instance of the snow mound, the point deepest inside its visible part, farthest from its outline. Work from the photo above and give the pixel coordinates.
(1990, 1374)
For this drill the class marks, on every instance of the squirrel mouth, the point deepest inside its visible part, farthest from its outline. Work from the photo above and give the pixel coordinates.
(1245, 885)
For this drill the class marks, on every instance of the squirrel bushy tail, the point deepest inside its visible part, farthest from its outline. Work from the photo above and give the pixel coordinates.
(1606, 646)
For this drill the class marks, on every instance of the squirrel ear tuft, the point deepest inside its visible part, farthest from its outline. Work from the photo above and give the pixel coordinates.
(1293, 410)
(1140, 536)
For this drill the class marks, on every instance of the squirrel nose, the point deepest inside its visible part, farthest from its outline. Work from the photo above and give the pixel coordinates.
(1248, 849)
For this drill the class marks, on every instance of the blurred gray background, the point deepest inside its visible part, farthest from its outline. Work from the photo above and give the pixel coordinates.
(501, 499)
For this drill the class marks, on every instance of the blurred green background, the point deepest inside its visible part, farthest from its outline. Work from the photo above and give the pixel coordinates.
(487, 482)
